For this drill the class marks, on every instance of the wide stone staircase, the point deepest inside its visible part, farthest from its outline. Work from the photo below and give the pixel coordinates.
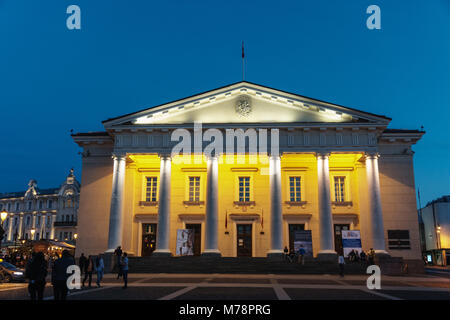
(242, 265)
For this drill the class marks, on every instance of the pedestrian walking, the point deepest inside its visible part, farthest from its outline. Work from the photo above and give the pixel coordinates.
(124, 265)
(341, 262)
(100, 267)
(88, 268)
(82, 261)
(36, 272)
(118, 254)
(60, 275)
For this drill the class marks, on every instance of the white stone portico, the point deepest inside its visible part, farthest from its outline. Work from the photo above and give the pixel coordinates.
(292, 125)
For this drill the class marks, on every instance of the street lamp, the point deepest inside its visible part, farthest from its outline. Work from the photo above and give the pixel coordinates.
(3, 215)
(75, 236)
(33, 230)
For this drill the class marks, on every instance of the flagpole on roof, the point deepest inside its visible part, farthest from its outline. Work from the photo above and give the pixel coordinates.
(243, 61)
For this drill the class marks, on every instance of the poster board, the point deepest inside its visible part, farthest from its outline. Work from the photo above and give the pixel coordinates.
(351, 240)
(185, 242)
(303, 239)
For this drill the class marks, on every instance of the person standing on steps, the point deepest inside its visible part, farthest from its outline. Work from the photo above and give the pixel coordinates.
(124, 265)
(341, 262)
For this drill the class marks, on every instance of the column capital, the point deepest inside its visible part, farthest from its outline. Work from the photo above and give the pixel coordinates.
(119, 156)
(165, 156)
(211, 156)
(322, 154)
(371, 155)
(275, 155)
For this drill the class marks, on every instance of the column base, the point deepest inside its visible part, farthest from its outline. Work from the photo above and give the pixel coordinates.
(211, 253)
(275, 255)
(327, 256)
(162, 253)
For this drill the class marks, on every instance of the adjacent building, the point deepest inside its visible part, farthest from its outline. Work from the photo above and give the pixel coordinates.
(37, 214)
(317, 166)
(435, 217)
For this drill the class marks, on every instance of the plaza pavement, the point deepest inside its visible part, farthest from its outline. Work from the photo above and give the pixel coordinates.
(249, 287)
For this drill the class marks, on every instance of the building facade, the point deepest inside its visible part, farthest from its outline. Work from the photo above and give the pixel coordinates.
(316, 166)
(37, 214)
(435, 217)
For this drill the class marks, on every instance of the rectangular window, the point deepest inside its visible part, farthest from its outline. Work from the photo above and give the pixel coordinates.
(399, 239)
(49, 204)
(339, 189)
(9, 206)
(150, 192)
(295, 194)
(40, 204)
(17, 206)
(194, 189)
(244, 189)
(29, 205)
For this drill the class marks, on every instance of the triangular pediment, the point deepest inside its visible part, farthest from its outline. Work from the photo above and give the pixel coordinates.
(245, 102)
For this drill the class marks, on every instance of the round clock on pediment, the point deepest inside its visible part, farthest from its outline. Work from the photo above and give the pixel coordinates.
(243, 107)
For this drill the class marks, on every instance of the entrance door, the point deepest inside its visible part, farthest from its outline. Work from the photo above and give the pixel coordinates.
(244, 240)
(148, 238)
(197, 227)
(338, 237)
(292, 229)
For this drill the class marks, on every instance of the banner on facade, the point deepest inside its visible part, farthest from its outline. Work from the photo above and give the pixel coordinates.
(351, 240)
(185, 242)
(303, 239)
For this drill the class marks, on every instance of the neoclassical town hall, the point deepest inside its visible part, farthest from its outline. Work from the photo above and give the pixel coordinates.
(326, 168)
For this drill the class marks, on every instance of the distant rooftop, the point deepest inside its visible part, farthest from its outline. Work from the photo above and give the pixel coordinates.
(439, 200)
(19, 194)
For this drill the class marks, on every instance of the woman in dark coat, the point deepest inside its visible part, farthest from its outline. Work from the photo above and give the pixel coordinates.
(36, 272)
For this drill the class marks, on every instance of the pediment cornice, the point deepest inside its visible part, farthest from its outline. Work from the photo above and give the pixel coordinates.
(287, 102)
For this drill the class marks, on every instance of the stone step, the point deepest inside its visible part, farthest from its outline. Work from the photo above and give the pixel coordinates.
(246, 265)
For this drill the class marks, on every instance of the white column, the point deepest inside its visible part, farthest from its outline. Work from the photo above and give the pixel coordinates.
(33, 226)
(52, 226)
(163, 227)
(276, 220)
(10, 229)
(375, 210)
(20, 233)
(212, 212)
(325, 215)
(43, 221)
(116, 208)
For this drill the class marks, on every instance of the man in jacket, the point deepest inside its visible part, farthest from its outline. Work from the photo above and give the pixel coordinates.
(60, 275)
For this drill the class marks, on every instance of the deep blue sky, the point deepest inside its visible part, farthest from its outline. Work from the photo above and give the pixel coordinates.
(135, 54)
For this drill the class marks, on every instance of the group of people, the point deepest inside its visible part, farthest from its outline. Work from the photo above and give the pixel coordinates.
(122, 265)
(89, 265)
(290, 255)
(363, 257)
(36, 272)
(366, 259)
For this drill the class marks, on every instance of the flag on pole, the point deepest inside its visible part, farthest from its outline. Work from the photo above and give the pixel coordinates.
(243, 50)
(262, 221)
(226, 220)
